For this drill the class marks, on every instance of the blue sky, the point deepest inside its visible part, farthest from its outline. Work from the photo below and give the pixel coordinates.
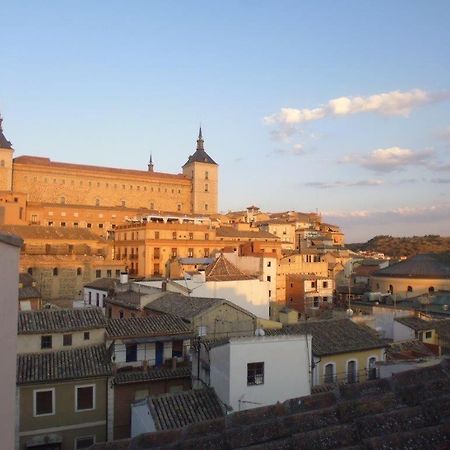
(109, 82)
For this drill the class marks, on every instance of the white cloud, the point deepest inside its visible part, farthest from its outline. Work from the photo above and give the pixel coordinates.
(394, 103)
(390, 159)
(337, 184)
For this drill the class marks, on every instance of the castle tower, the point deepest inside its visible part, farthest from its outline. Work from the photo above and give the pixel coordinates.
(150, 165)
(203, 171)
(6, 159)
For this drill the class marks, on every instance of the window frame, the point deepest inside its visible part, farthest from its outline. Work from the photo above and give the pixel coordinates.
(35, 391)
(252, 372)
(69, 337)
(80, 386)
(42, 341)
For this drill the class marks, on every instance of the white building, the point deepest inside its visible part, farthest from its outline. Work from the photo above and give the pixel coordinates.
(9, 282)
(255, 371)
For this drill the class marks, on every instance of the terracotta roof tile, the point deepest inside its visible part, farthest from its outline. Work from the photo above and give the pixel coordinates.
(82, 362)
(223, 270)
(139, 376)
(60, 320)
(158, 325)
(50, 233)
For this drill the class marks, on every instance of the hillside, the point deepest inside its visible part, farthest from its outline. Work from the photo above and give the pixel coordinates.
(404, 246)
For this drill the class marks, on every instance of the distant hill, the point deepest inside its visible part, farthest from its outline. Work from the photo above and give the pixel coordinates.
(404, 246)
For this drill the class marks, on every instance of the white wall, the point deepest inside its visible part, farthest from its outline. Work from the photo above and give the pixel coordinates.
(384, 319)
(402, 332)
(141, 419)
(9, 282)
(94, 292)
(286, 373)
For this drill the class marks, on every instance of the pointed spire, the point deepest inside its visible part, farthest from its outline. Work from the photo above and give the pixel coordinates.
(150, 164)
(4, 143)
(200, 139)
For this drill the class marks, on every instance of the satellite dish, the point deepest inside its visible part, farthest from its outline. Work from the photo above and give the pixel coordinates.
(349, 312)
(259, 332)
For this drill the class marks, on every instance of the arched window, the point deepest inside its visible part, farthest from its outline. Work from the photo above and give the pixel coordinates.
(30, 270)
(410, 289)
(431, 289)
(55, 271)
(79, 271)
(371, 368)
(351, 372)
(391, 289)
(329, 373)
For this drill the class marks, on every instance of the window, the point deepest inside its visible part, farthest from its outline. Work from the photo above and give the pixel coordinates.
(90, 297)
(85, 398)
(130, 352)
(206, 187)
(269, 278)
(329, 373)
(97, 299)
(100, 225)
(174, 253)
(156, 253)
(431, 289)
(46, 341)
(206, 175)
(206, 252)
(428, 334)
(118, 273)
(190, 252)
(86, 335)
(44, 402)
(98, 273)
(84, 442)
(174, 235)
(63, 224)
(121, 314)
(255, 373)
(156, 234)
(191, 236)
(89, 225)
(55, 271)
(79, 271)
(177, 349)
(325, 284)
(34, 218)
(206, 236)
(371, 368)
(351, 372)
(270, 293)
(178, 207)
(269, 263)
(410, 289)
(206, 206)
(316, 302)
(67, 340)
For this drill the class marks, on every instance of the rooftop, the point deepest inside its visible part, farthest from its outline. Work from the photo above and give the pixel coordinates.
(49, 233)
(152, 374)
(429, 265)
(186, 307)
(102, 284)
(171, 411)
(226, 232)
(158, 325)
(223, 270)
(82, 362)
(407, 411)
(60, 320)
(330, 337)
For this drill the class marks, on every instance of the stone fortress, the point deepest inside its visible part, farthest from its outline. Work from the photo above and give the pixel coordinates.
(38, 191)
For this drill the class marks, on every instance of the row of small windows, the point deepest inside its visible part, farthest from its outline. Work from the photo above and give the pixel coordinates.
(98, 272)
(50, 223)
(123, 203)
(129, 187)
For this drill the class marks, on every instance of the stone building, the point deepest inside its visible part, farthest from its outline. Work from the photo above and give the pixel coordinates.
(37, 190)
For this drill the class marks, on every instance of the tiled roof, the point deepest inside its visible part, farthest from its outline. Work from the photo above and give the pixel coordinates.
(183, 306)
(60, 320)
(428, 265)
(128, 299)
(102, 284)
(232, 232)
(139, 376)
(405, 350)
(158, 325)
(29, 292)
(223, 270)
(407, 411)
(334, 336)
(170, 411)
(82, 362)
(415, 323)
(195, 260)
(50, 233)
(25, 279)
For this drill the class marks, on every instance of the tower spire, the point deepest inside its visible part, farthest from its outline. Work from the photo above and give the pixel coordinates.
(200, 139)
(150, 164)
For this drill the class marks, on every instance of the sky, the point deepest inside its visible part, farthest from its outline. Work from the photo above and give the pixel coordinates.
(340, 107)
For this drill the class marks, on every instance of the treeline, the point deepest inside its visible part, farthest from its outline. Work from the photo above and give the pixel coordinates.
(404, 246)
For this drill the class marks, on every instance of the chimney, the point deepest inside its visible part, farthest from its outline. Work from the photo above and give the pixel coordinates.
(123, 277)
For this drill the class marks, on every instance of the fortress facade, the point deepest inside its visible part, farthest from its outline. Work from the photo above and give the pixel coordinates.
(37, 190)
